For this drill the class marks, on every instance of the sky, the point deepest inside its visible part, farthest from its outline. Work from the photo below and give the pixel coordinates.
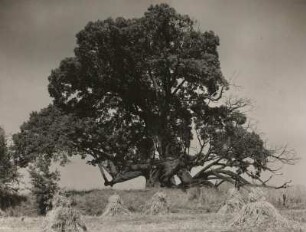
(262, 52)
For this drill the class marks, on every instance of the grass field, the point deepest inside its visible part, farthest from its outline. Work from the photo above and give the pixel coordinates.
(194, 210)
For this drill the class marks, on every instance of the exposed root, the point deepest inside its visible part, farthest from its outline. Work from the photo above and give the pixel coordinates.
(158, 204)
(115, 207)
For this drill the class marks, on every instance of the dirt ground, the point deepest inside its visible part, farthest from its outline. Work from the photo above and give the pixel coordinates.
(208, 222)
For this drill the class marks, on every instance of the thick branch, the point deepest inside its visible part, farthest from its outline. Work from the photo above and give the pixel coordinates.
(178, 87)
(118, 177)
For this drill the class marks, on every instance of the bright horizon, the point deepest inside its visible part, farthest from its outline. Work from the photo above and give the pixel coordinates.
(262, 50)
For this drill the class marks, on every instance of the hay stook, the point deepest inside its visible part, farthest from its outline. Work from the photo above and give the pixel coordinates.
(158, 204)
(63, 217)
(234, 202)
(260, 214)
(115, 207)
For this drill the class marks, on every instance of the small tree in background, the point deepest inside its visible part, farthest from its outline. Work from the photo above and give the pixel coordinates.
(8, 175)
(8, 171)
(44, 184)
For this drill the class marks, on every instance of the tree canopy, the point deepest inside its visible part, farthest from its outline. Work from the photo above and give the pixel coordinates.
(134, 98)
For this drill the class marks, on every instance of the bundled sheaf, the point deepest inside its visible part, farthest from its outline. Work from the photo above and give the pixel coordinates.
(256, 194)
(259, 214)
(233, 203)
(115, 207)
(158, 204)
(63, 217)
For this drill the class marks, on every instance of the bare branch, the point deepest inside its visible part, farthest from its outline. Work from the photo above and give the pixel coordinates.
(214, 99)
(284, 156)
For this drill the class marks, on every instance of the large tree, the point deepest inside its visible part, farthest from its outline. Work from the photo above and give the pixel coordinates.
(136, 95)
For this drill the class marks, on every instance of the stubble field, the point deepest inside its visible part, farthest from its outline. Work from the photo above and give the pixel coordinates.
(194, 210)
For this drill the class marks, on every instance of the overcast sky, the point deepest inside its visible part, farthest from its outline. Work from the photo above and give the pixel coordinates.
(263, 50)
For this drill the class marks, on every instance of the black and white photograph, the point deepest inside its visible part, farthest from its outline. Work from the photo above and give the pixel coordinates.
(153, 115)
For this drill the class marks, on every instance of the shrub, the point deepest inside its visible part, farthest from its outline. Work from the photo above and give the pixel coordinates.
(10, 199)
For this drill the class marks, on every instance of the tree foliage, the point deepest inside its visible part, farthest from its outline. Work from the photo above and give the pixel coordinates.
(8, 169)
(136, 95)
(8, 175)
